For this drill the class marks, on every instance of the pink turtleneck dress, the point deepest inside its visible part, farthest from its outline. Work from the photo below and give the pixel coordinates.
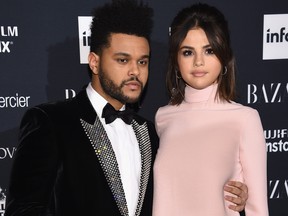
(203, 144)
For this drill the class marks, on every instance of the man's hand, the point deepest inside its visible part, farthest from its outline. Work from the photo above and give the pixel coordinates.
(240, 192)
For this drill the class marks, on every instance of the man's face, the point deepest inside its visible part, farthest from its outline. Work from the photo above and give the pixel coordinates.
(121, 71)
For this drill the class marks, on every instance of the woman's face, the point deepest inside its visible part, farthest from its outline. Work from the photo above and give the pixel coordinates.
(198, 65)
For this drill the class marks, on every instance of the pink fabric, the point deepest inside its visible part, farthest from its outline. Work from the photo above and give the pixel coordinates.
(203, 144)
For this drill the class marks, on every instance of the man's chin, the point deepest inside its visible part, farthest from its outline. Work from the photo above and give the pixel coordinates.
(131, 100)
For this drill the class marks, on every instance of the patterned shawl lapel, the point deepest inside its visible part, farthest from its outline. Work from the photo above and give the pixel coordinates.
(106, 156)
(142, 136)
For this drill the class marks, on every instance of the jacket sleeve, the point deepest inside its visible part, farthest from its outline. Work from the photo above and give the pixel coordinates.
(34, 168)
(253, 158)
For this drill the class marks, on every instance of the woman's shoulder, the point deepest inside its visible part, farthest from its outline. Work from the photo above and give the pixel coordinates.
(243, 111)
(164, 110)
(242, 107)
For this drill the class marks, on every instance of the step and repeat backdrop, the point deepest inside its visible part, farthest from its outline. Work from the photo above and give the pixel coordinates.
(43, 57)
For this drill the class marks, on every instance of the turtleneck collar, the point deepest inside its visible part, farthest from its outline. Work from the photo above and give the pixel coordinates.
(193, 95)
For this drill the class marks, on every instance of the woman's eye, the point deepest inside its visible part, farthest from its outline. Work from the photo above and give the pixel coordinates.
(209, 51)
(187, 52)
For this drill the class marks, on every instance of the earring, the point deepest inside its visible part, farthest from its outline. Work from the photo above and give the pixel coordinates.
(175, 90)
(177, 78)
(176, 74)
(225, 71)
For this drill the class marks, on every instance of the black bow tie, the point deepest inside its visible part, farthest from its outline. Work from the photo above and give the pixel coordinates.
(110, 114)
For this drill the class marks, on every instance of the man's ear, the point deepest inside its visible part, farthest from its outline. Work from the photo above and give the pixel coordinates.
(93, 60)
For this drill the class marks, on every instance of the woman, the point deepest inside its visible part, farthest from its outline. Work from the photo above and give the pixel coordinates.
(206, 138)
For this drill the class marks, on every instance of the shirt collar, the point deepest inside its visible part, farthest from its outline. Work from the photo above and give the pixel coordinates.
(97, 101)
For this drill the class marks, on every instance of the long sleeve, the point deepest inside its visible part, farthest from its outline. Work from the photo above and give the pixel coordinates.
(34, 168)
(253, 160)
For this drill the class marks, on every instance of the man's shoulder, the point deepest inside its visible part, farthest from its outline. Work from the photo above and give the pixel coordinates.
(58, 108)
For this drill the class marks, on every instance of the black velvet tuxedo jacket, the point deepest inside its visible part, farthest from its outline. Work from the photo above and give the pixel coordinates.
(65, 164)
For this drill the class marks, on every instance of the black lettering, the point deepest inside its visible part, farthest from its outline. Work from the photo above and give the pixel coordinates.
(276, 37)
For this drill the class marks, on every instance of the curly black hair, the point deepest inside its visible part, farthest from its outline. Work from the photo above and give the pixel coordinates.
(120, 16)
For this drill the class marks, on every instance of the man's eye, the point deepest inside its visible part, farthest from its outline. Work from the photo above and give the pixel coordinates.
(122, 61)
(143, 62)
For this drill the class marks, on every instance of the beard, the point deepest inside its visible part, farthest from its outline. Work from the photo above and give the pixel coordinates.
(114, 90)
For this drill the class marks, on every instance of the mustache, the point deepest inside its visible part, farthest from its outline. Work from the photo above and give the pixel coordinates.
(132, 79)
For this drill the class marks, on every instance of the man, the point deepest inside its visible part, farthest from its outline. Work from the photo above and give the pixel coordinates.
(71, 160)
